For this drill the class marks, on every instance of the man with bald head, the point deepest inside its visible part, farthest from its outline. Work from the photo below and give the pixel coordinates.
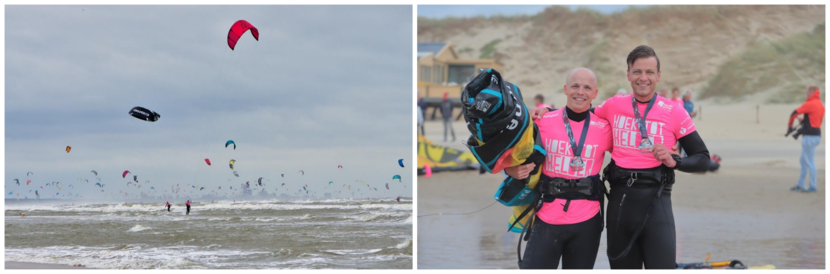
(568, 225)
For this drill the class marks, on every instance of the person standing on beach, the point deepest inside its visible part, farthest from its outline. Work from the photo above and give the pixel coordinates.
(640, 221)
(687, 103)
(675, 96)
(539, 100)
(419, 118)
(188, 207)
(569, 223)
(168, 206)
(446, 113)
(422, 112)
(813, 111)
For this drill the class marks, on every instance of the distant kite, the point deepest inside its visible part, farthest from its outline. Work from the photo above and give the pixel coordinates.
(400, 162)
(144, 114)
(238, 29)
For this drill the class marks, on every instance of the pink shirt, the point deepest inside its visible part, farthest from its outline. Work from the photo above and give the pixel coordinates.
(557, 163)
(665, 123)
(677, 101)
(543, 106)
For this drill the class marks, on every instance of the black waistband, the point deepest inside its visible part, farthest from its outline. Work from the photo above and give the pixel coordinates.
(590, 188)
(650, 177)
(583, 188)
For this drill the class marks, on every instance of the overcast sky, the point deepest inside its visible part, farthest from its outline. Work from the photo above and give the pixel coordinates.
(323, 86)
(440, 11)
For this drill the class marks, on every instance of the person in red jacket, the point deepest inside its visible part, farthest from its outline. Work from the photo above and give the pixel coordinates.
(813, 111)
(168, 206)
(188, 207)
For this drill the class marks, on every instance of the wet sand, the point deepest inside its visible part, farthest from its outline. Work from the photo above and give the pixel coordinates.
(25, 265)
(745, 211)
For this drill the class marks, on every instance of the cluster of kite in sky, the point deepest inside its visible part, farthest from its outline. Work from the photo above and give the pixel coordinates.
(237, 30)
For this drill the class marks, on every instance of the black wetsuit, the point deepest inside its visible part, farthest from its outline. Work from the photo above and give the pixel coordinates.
(168, 208)
(577, 245)
(188, 210)
(655, 246)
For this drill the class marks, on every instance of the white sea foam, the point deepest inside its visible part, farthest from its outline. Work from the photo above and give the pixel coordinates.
(139, 228)
(405, 244)
(175, 257)
(353, 251)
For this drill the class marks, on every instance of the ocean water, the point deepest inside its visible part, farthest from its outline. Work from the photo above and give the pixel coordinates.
(338, 233)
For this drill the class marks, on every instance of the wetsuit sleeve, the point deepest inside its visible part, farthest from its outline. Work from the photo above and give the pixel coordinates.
(698, 155)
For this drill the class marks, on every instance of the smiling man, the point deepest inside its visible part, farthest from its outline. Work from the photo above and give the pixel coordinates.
(641, 231)
(569, 223)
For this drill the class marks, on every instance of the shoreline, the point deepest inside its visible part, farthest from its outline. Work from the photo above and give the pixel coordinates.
(30, 265)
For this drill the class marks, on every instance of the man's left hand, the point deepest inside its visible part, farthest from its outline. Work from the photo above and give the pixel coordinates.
(663, 154)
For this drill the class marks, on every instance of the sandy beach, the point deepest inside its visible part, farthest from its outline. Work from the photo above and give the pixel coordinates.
(745, 211)
(25, 265)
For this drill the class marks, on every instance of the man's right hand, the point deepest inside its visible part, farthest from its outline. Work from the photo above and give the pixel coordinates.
(520, 172)
(537, 113)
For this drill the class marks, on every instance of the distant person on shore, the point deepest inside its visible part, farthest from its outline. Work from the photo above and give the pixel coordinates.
(675, 96)
(813, 111)
(664, 93)
(687, 103)
(540, 102)
(421, 122)
(168, 206)
(422, 106)
(446, 113)
(419, 118)
(188, 206)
